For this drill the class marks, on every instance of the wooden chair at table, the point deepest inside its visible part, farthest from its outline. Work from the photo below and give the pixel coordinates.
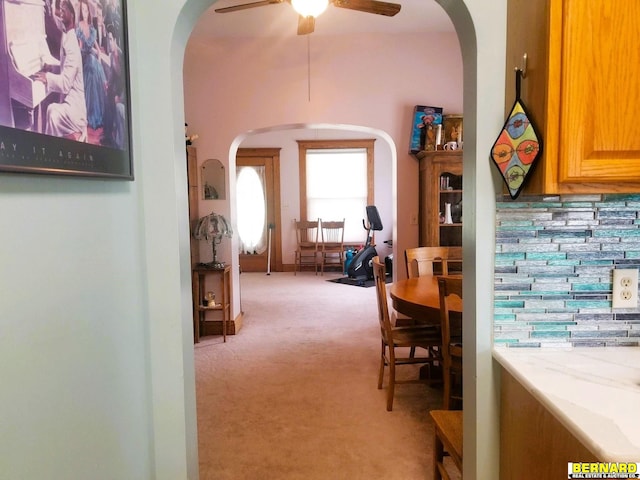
(451, 328)
(422, 261)
(448, 424)
(394, 338)
(332, 244)
(307, 244)
(448, 434)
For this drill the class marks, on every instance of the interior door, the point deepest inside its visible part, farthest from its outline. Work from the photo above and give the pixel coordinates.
(258, 185)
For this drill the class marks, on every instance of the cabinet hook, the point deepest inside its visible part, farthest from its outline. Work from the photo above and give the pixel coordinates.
(523, 67)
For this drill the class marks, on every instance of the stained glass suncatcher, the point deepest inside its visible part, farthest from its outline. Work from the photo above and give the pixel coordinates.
(518, 146)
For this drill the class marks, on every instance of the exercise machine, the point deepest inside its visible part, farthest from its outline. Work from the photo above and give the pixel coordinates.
(361, 266)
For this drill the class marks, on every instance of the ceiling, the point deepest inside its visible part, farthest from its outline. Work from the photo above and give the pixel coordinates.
(279, 20)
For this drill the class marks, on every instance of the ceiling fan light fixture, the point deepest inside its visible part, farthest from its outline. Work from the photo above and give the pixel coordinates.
(309, 8)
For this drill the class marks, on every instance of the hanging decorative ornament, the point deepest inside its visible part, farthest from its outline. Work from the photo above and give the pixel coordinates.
(518, 146)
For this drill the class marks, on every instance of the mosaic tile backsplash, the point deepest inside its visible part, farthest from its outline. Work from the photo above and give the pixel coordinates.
(553, 270)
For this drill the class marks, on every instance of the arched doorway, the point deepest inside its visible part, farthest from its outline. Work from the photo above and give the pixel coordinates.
(480, 75)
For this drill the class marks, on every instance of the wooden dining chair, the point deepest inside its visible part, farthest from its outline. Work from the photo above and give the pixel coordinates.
(307, 244)
(448, 435)
(450, 289)
(393, 339)
(429, 261)
(422, 261)
(332, 244)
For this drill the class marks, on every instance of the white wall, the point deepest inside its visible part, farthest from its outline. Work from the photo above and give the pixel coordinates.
(74, 338)
(96, 354)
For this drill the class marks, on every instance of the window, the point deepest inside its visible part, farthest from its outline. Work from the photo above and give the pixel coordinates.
(336, 182)
(252, 211)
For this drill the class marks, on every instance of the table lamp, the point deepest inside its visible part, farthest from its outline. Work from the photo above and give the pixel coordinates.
(212, 228)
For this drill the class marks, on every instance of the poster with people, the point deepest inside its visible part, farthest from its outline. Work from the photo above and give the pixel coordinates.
(426, 131)
(64, 88)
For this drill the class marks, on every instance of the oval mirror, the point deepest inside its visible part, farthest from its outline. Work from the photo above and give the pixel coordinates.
(212, 180)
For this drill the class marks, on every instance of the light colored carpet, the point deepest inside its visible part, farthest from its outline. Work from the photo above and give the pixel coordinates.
(294, 395)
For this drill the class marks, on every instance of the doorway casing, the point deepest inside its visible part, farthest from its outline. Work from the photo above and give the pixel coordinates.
(269, 158)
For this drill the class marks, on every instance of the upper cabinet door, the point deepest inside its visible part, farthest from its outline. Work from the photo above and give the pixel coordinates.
(581, 88)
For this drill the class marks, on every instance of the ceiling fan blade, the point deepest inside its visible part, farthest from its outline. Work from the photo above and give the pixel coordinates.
(245, 6)
(370, 6)
(306, 25)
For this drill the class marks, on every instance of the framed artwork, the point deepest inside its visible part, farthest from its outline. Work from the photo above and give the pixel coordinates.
(64, 88)
(426, 129)
(452, 126)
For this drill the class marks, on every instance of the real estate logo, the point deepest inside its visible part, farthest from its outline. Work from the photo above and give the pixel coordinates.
(603, 470)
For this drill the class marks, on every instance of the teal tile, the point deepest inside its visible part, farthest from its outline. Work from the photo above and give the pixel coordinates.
(549, 334)
(620, 197)
(511, 256)
(549, 328)
(546, 256)
(569, 205)
(577, 240)
(597, 262)
(546, 205)
(589, 304)
(635, 232)
(502, 228)
(509, 304)
(613, 204)
(510, 206)
(589, 287)
(505, 341)
(515, 223)
(563, 323)
(528, 295)
(564, 262)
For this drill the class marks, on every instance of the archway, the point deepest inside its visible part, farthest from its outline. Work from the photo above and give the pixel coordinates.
(480, 75)
(285, 136)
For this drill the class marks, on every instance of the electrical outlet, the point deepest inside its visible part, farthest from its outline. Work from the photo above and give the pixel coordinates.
(625, 288)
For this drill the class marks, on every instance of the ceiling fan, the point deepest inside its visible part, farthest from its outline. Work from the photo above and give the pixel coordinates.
(306, 19)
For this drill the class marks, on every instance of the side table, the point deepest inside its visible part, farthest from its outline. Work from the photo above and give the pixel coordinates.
(200, 273)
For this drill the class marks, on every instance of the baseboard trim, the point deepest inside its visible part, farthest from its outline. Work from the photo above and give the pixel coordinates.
(214, 327)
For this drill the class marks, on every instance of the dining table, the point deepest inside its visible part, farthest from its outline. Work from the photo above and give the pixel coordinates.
(419, 298)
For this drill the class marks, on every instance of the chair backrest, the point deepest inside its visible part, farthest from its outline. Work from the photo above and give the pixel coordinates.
(450, 319)
(332, 233)
(421, 261)
(307, 233)
(379, 275)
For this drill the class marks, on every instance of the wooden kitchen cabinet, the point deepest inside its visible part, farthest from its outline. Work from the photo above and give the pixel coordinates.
(581, 90)
(534, 444)
(440, 183)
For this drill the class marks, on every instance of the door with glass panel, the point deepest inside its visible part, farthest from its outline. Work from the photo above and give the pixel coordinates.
(258, 209)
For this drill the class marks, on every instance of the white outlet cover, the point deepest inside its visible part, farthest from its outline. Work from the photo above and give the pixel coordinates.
(625, 288)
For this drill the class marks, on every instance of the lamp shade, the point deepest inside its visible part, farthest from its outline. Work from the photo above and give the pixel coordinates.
(212, 227)
(310, 8)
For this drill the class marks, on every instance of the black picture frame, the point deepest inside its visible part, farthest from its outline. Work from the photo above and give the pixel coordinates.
(27, 143)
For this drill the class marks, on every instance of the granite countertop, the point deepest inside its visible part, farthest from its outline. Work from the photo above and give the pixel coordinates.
(593, 392)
